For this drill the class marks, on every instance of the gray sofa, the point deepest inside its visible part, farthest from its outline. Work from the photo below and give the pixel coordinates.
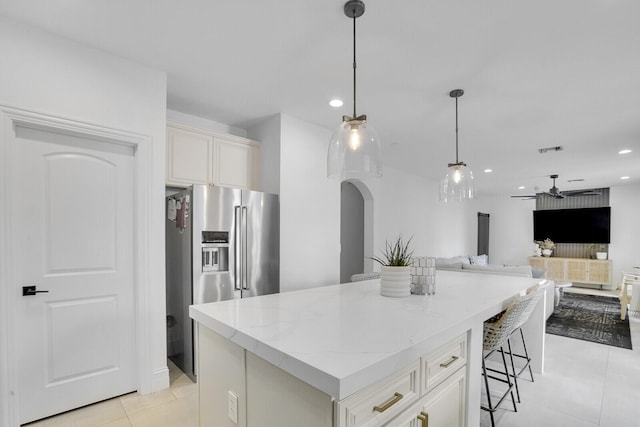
(464, 263)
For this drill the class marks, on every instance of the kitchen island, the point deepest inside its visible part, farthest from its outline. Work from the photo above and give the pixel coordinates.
(345, 356)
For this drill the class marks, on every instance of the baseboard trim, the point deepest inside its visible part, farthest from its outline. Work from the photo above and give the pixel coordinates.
(160, 379)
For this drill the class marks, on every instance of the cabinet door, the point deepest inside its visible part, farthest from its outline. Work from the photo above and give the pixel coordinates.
(444, 406)
(188, 157)
(600, 272)
(235, 164)
(439, 364)
(556, 269)
(577, 270)
(536, 262)
(381, 401)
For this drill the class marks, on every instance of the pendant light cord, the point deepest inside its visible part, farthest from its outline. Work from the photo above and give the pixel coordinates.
(457, 161)
(354, 67)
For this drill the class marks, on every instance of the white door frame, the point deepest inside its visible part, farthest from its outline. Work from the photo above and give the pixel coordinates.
(142, 145)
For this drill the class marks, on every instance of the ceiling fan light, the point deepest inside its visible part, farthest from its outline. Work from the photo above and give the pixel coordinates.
(457, 184)
(354, 151)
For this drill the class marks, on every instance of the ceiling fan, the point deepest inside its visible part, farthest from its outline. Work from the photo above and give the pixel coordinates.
(555, 192)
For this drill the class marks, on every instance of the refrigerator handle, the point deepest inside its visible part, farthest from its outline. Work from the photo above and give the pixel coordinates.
(237, 248)
(245, 262)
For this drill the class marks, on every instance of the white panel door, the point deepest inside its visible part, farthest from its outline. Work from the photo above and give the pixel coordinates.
(74, 238)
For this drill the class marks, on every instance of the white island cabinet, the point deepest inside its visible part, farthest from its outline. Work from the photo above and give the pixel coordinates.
(345, 356)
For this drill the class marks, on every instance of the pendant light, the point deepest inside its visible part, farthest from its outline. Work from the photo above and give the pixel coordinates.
(354, 149)
(457, 184)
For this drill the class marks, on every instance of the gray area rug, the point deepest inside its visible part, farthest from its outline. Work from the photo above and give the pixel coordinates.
(590, 318)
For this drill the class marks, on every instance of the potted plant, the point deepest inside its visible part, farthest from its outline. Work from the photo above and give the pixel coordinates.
(601, 253)
(547, 247)
(395, 271)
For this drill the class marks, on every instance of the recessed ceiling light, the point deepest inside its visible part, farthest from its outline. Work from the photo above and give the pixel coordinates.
(488, 170)
(625, 177)
(522, 187)
(336, 103)
(625, 151)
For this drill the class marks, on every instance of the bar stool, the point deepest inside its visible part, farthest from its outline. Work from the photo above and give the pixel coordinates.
(633, 280)
(497, 331)
(536, 295)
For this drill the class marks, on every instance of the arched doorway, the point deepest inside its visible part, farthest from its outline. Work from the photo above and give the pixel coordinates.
(356, 229)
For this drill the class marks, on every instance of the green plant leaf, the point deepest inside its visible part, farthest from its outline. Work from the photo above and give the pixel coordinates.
(396, 254)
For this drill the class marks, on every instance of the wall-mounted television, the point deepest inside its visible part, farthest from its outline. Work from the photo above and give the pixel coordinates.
(586, 225)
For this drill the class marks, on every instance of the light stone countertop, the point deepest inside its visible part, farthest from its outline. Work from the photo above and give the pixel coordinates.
(342, 338)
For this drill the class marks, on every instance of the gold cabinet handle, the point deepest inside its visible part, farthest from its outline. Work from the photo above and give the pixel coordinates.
(449, 362)
(424, 417)
(389, 403)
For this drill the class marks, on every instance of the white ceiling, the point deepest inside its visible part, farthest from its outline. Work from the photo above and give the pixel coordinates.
(535, 74)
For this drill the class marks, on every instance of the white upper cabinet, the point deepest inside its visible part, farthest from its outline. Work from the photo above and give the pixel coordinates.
(188, 157)
(235, 164)
(198, 156)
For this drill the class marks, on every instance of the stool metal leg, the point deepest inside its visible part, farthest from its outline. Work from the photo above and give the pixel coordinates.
(513, 369)
(486, 385)
(505, 377)
(526, 354)
(506, 370)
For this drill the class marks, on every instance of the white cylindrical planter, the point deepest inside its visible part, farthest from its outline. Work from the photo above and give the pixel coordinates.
(395, 281)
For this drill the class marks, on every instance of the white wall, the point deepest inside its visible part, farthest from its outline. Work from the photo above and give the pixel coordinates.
(510, 228)
(309, 208)
(624, 250)
(268, 133)
(54, 76)
(408, 205)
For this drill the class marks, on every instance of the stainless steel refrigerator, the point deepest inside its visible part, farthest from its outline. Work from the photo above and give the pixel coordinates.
(221, 243)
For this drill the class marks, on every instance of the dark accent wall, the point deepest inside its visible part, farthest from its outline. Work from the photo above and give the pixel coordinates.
(575, 250)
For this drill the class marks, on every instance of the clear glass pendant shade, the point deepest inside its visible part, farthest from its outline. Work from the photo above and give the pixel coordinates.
(457, 184)
(354, 152)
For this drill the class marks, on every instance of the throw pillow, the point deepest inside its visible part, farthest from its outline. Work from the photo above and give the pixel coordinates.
(479, 259)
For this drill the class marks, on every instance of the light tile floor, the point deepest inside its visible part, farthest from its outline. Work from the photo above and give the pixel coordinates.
(585, 384)
(176, 406)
